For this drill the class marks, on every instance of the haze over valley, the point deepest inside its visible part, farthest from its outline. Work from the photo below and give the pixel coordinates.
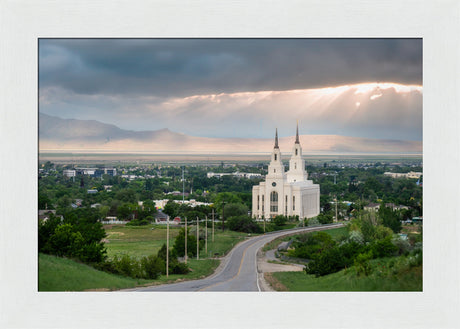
(80, 136)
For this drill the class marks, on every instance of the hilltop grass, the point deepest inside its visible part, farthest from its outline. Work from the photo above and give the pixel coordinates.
(382, 278)
(62, 274)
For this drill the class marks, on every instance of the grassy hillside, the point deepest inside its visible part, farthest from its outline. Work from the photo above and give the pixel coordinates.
(61, 274)
(388, 274)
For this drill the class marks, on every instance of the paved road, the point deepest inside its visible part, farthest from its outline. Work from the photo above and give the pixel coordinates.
(238, 272)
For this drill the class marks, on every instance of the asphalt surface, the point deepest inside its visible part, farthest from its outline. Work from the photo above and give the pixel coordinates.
(238, 271)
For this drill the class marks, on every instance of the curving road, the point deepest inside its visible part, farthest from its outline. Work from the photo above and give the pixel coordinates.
(238, 271)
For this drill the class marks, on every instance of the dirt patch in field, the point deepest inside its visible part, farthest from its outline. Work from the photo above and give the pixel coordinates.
(114, 234)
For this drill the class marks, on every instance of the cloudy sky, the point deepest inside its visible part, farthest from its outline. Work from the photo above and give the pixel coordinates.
(237, 87)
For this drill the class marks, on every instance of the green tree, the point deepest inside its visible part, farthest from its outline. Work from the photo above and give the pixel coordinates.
(174, 266)
(235, 209)
(227, 198)
(390, 219)
(179, 244)
(171, 209)
(65, 242)
(243, 223)
(124, 211)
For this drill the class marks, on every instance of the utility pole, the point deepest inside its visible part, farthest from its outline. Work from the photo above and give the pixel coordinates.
(183, 185)
(206, 236)
(186, 233)
(212, 224)
(197, 238)
(336, 218)
(167, 247)
(335, 182)
(223, 217)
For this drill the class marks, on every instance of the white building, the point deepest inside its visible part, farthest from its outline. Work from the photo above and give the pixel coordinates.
(290, 193)
(411, 174)
(69, 173)
(236, 174)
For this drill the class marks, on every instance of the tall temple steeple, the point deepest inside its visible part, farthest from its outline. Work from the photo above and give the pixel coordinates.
(297, 170)
(276, 168)
(276, 139)
(297, 134)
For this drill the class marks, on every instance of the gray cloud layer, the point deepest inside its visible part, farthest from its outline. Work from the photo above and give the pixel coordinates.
(211, 87)
(183, 67)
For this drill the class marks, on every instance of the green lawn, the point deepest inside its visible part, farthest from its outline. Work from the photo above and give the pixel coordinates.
(137, 241)
(382, 278)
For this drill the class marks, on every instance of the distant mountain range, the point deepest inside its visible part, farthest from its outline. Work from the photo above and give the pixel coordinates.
(86, 136)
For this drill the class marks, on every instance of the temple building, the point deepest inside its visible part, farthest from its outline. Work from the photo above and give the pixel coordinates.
(286, 193)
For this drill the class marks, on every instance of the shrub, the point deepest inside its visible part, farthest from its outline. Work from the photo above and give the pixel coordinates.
(310, 245)
(174, 266)
(179, 244)
(383, 248)
(243, 224)
(362, 263)
(126, 266)
(279, 220)
(329, 261)
(403, 246)
(350, 250)
(138, 222)
(325, 218)
(356, 236)
(152, 267)
(313, 221)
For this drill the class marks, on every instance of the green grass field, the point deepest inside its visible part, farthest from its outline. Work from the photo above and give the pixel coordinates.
(143, 241)
(381, 279)
(137, 241)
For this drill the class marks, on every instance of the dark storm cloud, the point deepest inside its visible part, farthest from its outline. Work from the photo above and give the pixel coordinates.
(182, 67)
